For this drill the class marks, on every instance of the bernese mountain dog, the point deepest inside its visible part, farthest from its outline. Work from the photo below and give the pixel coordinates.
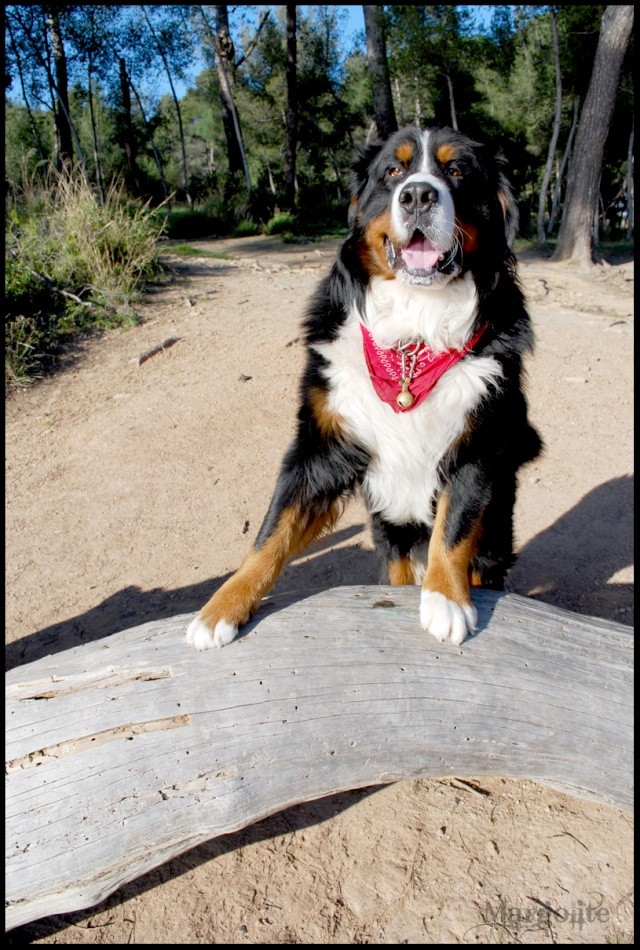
(412, 391)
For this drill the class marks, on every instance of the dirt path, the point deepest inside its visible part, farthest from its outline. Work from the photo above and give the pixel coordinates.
(133, 490)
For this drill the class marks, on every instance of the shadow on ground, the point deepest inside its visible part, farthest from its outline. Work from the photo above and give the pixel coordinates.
(570, 564)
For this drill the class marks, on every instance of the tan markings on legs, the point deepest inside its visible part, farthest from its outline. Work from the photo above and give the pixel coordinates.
(241, 594)
(401, 572)
(475, 579)
(329, 423)
(448, 568)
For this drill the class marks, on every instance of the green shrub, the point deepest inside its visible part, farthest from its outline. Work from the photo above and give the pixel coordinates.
(72, 261)
(246, 228)
(192, 223)
(281, 223)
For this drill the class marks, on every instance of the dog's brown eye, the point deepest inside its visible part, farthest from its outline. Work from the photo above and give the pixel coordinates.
(454, 171)
(394, 171)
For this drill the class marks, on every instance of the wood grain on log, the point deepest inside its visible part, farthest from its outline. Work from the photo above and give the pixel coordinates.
(127, 751)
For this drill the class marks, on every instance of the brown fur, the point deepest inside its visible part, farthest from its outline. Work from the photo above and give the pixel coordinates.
(448, 568)
(401, 572)
(241, 594)
(446, 153)
(329, 423)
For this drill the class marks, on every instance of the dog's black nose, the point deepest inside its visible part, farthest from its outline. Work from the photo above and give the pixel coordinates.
(417, 196)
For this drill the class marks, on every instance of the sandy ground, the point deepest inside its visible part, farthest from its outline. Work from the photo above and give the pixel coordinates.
(132, 491)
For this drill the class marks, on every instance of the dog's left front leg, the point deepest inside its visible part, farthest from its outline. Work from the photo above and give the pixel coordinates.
(446, 610)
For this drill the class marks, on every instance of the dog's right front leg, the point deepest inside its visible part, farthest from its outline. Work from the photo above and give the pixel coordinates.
(286, 531)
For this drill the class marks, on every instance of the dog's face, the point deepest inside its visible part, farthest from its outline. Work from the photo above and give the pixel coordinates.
(426, 204)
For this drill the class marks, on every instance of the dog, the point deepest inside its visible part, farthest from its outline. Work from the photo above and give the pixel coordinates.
(413, 387)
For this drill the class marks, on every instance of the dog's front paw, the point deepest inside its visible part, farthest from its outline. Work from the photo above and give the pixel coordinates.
(202, 637)
(445, 619)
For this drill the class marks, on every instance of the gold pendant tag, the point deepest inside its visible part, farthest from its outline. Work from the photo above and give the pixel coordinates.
(404, 397)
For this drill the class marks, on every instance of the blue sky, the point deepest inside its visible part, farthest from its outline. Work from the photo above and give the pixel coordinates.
(354, 24)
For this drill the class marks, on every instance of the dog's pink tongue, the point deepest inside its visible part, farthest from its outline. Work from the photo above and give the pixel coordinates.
(420, 254)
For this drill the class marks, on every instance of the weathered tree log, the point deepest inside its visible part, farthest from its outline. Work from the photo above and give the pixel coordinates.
(127, 751)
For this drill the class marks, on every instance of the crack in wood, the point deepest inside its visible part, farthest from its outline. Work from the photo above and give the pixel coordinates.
(54, 686)
(72, 746)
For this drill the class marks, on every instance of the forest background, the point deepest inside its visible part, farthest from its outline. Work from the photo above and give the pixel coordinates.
(111, 146)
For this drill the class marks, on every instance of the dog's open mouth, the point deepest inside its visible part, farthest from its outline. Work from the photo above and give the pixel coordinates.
(421, 262)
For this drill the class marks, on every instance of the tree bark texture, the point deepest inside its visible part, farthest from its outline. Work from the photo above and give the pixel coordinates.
(555, 204)
(62, 118)
(291, 128)
(546, 178)
(383, 110)
(224, 53)
(575, 239)
(123, 753)
(128, 138)
(18, 59)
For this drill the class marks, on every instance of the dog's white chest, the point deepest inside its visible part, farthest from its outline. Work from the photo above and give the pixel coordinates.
(406, 449)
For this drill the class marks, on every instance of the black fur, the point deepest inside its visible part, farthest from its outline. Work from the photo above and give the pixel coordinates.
(458, 221)
(480, 472)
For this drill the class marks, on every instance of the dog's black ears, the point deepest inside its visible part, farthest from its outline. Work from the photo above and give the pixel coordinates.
(507, 202)
(363, 158)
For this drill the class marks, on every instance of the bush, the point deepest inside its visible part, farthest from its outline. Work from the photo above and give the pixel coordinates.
(72, 261)
(281, 223)
(192, 223)
(246, 228)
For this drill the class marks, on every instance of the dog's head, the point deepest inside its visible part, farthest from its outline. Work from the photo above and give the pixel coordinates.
(426, 206)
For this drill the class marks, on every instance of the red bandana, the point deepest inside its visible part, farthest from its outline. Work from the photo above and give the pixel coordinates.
(423, 368)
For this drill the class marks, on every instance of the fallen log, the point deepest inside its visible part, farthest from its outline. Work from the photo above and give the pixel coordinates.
(127, 751)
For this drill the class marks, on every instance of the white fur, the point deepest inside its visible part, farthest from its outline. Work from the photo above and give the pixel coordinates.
(441, 316)
(201, 637)
(445, 619)
(441, 218)
(425, 164)
(403, 479)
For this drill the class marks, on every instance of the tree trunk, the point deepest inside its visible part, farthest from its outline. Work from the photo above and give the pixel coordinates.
(292, 112)
(563, 164)
(418, 108)
(224, 56)
(379, 71)
(452, 103)
(575, 239)
(544, 187)
(165, 63)
(62, 115)
(128, 137)
(156, 155)
(32, 121)
(630, 190)
(399, 98)
(94, 130)
(272, 186)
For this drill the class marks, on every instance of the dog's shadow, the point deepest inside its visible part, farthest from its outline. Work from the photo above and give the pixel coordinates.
(570, 564)
(574, 562)
(330, 562)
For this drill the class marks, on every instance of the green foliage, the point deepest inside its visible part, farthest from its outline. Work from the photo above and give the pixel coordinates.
(280, 223)
(72, 262)
(192, 223)
(497, 82)
(188, 250)
(245, 228)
